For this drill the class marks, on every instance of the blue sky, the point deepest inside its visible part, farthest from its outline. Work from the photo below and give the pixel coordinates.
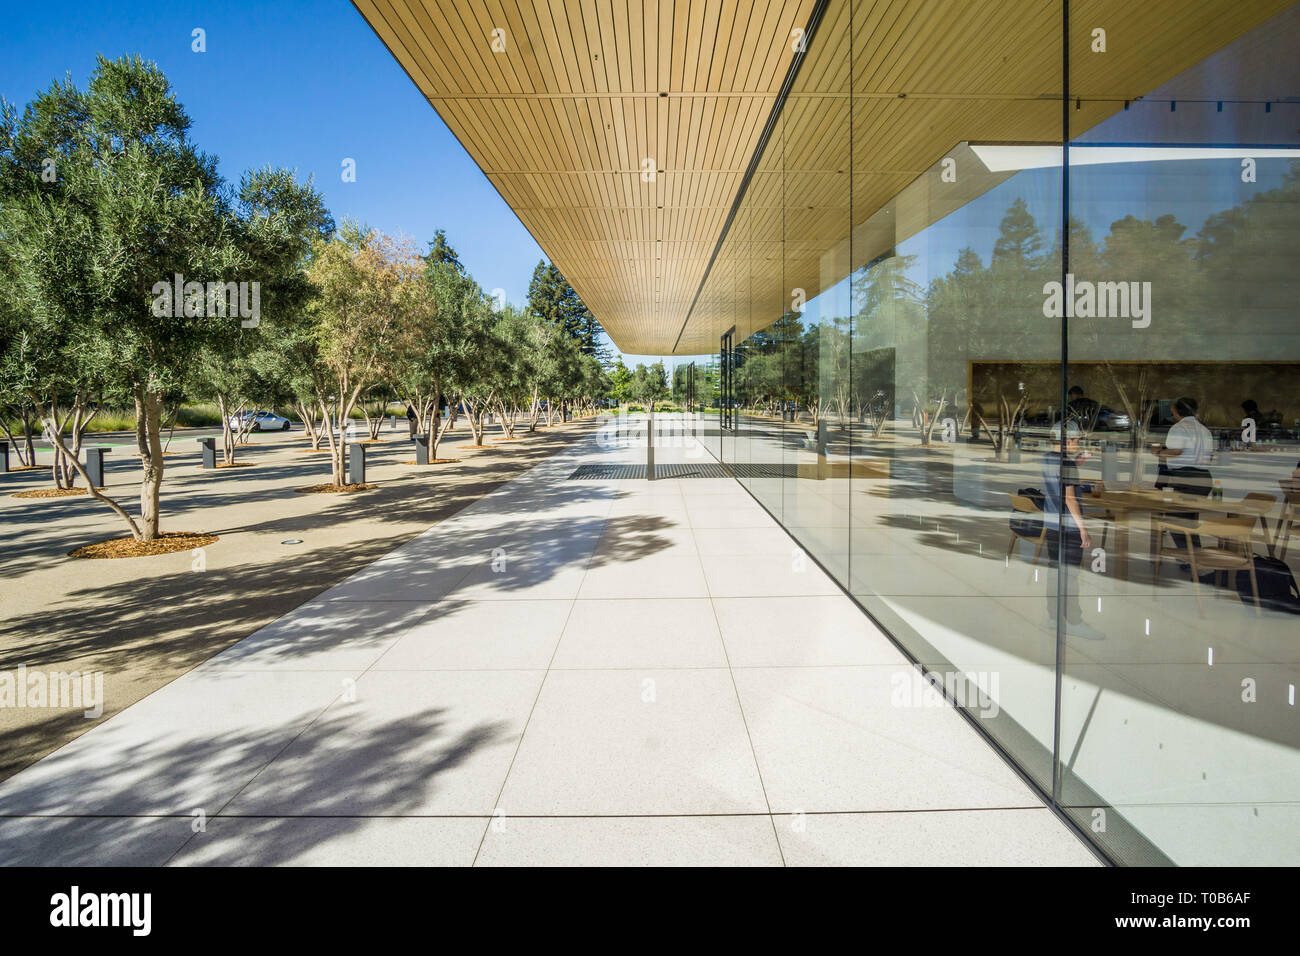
(307, 85)
(300, 85)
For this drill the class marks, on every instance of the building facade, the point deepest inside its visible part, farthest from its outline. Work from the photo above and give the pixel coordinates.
(966, 267)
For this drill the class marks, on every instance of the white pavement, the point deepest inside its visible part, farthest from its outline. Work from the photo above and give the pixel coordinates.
(567, 672)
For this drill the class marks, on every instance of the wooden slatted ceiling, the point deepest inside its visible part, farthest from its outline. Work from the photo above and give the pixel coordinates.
(562, 119)
(928, 74)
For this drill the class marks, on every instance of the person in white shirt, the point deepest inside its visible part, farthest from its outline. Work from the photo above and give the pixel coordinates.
(1185, 459)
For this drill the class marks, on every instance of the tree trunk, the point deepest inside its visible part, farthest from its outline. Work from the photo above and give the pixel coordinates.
(227, 435)
(339, 436)
(475, 418)
(52, 431)
(339, 449)
(308, 416)
(534, 410)
(80, 421)
(435, 433)
(26, 449)
(171, 417)
(62, 452)
(148, 420)
(501, 413)
(375, 422)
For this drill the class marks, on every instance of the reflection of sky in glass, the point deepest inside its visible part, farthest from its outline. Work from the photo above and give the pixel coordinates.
(1190, 190)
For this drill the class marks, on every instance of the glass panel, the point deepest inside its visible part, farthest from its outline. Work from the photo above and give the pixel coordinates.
(815, 224)
(951, 350)
(763, 373)
(1179, 721)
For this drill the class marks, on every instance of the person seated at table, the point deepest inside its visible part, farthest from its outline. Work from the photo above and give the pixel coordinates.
(1184, 463)
(1080, 408)
(1067, 536)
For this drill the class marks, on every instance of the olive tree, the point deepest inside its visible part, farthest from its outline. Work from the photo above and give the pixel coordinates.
(360, 277)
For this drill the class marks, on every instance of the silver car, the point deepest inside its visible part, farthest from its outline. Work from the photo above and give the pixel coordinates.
(262, 421)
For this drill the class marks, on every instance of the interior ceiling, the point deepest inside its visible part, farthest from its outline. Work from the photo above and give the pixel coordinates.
(585, 92)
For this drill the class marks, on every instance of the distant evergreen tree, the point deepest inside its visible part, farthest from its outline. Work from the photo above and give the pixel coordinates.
(551, 298)
(440, 251)
(1019, 242)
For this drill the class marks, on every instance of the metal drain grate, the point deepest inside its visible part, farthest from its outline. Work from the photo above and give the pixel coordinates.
(703, 470)
(627, 472)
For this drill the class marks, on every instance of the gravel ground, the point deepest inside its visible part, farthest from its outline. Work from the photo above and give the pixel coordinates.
(143, 622)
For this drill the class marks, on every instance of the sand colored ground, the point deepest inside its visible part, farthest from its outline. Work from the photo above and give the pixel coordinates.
(143, 622)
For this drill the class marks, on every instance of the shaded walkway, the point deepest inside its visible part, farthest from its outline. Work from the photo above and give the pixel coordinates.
(567, 671)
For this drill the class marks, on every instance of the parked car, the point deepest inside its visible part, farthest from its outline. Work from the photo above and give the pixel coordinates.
(1112, 421)
(262, 421)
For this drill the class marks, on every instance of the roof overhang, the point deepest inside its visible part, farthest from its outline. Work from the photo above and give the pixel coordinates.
(621, 133)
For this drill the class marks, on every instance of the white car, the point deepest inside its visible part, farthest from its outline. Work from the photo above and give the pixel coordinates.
(262, 421)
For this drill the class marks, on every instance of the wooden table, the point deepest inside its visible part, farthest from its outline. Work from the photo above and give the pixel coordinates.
(1123, 504)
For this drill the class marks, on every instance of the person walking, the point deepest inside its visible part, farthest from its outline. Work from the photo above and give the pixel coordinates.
(1067, 536)
(411, 419)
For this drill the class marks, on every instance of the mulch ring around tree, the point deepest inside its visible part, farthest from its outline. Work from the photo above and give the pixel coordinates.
(311, 451)
(166, 543)
(233, 464)
(29, 467)
(333, 489)
(51, 493)
(467, 445)
(436, 461)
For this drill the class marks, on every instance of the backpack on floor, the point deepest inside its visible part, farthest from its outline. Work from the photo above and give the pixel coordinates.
(1277, 587)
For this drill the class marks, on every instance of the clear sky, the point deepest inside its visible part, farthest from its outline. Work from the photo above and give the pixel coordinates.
(302, 85)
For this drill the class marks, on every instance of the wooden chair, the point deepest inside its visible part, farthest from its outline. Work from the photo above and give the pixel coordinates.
(1235, 551)
(1025, 505)
(1289, 519)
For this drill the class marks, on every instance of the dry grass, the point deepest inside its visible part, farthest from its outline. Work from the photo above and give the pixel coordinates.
(233, 464)
(435, 461)
(52, 493)
(333, 489)
(166, 543)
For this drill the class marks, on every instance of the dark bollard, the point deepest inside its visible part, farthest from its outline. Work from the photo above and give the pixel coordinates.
(4, 457)
(357, 464)
(649, 451)
(95, 466)
(821, 449)
(209, 446)
(421, 449)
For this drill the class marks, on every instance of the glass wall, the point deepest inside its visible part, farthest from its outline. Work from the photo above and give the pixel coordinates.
(1057, 463)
